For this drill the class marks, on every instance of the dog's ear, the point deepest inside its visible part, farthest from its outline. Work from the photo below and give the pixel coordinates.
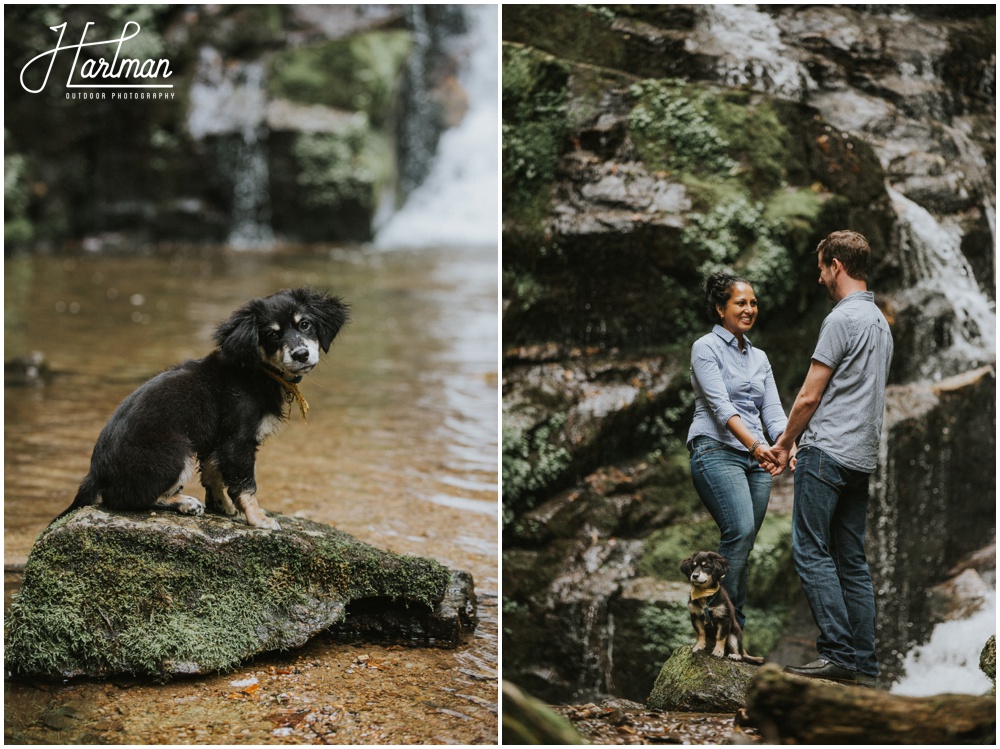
(687, 566)
(238, 336)
(722, 565)
(329, 312)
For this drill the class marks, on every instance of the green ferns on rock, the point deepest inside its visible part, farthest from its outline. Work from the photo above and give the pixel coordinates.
(530, 463)
(533, 128)
(730, 152)
(676, 132)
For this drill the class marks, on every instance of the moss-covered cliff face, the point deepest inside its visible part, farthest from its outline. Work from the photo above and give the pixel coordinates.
(622, 193)
(290, 117)
(643, 147)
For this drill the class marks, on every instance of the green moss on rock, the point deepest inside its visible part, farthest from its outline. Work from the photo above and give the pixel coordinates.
(530, 463)
(337, 168)
(700, 682)
(668, 547)
(534, 128)
(111, 594)
(697, 130)
(356, 74)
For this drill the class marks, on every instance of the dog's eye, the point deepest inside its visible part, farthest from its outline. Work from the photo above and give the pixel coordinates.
(272, 335)
(305, 325)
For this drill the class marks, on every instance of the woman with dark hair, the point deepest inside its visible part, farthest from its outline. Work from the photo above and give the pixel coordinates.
(737, 416)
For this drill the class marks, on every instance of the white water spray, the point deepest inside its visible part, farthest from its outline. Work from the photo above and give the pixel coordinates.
(949, 662)
(232, 102)
(458, 203)
(934, 264)
(752, 53)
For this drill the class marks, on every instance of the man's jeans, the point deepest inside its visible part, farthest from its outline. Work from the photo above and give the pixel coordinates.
(735, 489)
(828, 545)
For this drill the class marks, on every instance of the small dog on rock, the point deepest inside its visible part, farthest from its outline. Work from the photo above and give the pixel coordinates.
(213, 413)
(712, 613)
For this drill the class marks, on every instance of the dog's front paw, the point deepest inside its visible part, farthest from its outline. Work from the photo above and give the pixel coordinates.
(719, 653)
(263, 521)
(697, 647)
(219, 504)
(735, 657)
(188, 505)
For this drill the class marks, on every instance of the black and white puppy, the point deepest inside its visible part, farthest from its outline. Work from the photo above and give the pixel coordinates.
(213, 413)
(712, 613)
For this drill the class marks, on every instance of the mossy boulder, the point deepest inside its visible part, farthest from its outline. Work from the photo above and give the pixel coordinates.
(129, 593)
(702, 683)
(357, 74)
(327, 172)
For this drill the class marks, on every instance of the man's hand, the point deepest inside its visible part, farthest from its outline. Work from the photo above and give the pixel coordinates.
(806, 403)
(782, 454)
(768, 460)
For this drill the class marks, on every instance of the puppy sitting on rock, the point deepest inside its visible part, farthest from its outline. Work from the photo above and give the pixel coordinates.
(712, 613)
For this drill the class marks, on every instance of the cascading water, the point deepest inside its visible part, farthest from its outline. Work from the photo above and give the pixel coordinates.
(229, 104)
(949, 661)
(417, 144)
(751, 52)
(457, 204)
(934, 266)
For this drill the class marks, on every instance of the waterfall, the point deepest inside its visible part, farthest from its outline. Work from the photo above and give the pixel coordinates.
(751, 52)
(458, 202)
(417, 144)
(229, 105)
(976, 169)
(949, 661)
(936, 271)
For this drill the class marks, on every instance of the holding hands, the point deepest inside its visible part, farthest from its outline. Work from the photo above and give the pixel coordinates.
(774, 458)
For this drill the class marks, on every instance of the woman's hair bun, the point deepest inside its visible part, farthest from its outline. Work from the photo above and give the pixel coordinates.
(718, 287)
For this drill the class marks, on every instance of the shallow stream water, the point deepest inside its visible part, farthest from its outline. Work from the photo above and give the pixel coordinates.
(400, 451)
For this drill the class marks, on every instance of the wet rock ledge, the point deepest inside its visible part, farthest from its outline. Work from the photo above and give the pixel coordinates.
(129, 593)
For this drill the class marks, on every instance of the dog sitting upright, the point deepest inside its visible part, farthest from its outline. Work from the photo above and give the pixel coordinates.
(213, 412)
(712, 613)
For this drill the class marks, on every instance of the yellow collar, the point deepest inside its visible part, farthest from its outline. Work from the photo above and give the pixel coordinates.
(697, 593)
(292, 388)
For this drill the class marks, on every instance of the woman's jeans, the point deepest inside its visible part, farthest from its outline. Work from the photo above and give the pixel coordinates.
(736, 490)
(828, 545)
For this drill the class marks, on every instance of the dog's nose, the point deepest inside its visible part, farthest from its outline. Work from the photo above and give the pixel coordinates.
(301, 354)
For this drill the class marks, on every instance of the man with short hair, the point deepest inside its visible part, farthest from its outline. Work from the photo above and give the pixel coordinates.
(837, 420)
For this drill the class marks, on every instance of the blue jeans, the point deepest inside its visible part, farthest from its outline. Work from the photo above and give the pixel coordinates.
(828, 545)
(736, 490)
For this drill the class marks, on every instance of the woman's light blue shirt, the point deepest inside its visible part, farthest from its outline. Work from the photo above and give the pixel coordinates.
(729, 382)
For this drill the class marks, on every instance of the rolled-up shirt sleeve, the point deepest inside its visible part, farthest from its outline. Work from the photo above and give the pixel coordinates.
(709, 384)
